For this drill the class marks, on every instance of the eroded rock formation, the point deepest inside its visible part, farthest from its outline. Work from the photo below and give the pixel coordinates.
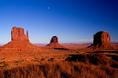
(18, 34)
(102, 40)
(19, 39)
(54, 43)
(54, 40)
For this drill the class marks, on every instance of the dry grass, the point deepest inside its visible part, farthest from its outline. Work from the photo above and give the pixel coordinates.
(60, 70)
(50, 63)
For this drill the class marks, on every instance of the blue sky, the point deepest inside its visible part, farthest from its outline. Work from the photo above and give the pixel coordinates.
(71, 20)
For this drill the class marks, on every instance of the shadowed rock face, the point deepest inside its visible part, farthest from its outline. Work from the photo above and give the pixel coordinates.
(55, 44)
(54, 39)
(102, 40)
(18, 34)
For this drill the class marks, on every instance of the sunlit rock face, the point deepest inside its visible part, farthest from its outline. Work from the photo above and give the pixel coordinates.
(19, 40)
(102, 40)
(18, 34)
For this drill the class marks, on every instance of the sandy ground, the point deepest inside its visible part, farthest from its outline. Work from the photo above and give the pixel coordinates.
(15, 57)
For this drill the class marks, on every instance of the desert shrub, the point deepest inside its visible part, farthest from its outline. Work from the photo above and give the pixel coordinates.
(3, 64)
(114, 57)
(98, 59)
(76, 57)
(95, 59)
(51, 59)
(114, 64)
(58, 70)
(42, 59)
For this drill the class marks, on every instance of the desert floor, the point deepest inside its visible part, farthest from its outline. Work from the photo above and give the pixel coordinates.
(76, 62)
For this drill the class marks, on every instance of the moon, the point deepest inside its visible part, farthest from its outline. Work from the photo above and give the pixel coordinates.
(49, 7)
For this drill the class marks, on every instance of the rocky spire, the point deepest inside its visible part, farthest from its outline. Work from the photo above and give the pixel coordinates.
(27, 34)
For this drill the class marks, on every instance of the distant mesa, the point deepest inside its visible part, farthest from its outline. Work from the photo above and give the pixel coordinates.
(101, 40)
(20, 39)
(54, 44)
(54, 40)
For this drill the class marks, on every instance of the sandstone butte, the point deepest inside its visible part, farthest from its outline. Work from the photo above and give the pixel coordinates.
(54, 43)
(101, 40)
(19, 40)
(56, 64)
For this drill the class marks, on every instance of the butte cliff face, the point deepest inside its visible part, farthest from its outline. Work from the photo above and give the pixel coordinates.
(18, 34)
(102, 40)
(54, 43)
(19, 39)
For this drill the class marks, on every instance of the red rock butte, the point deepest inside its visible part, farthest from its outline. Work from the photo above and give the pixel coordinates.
(18, 34)
(19, 39)
(54, 43)
(102, 40)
